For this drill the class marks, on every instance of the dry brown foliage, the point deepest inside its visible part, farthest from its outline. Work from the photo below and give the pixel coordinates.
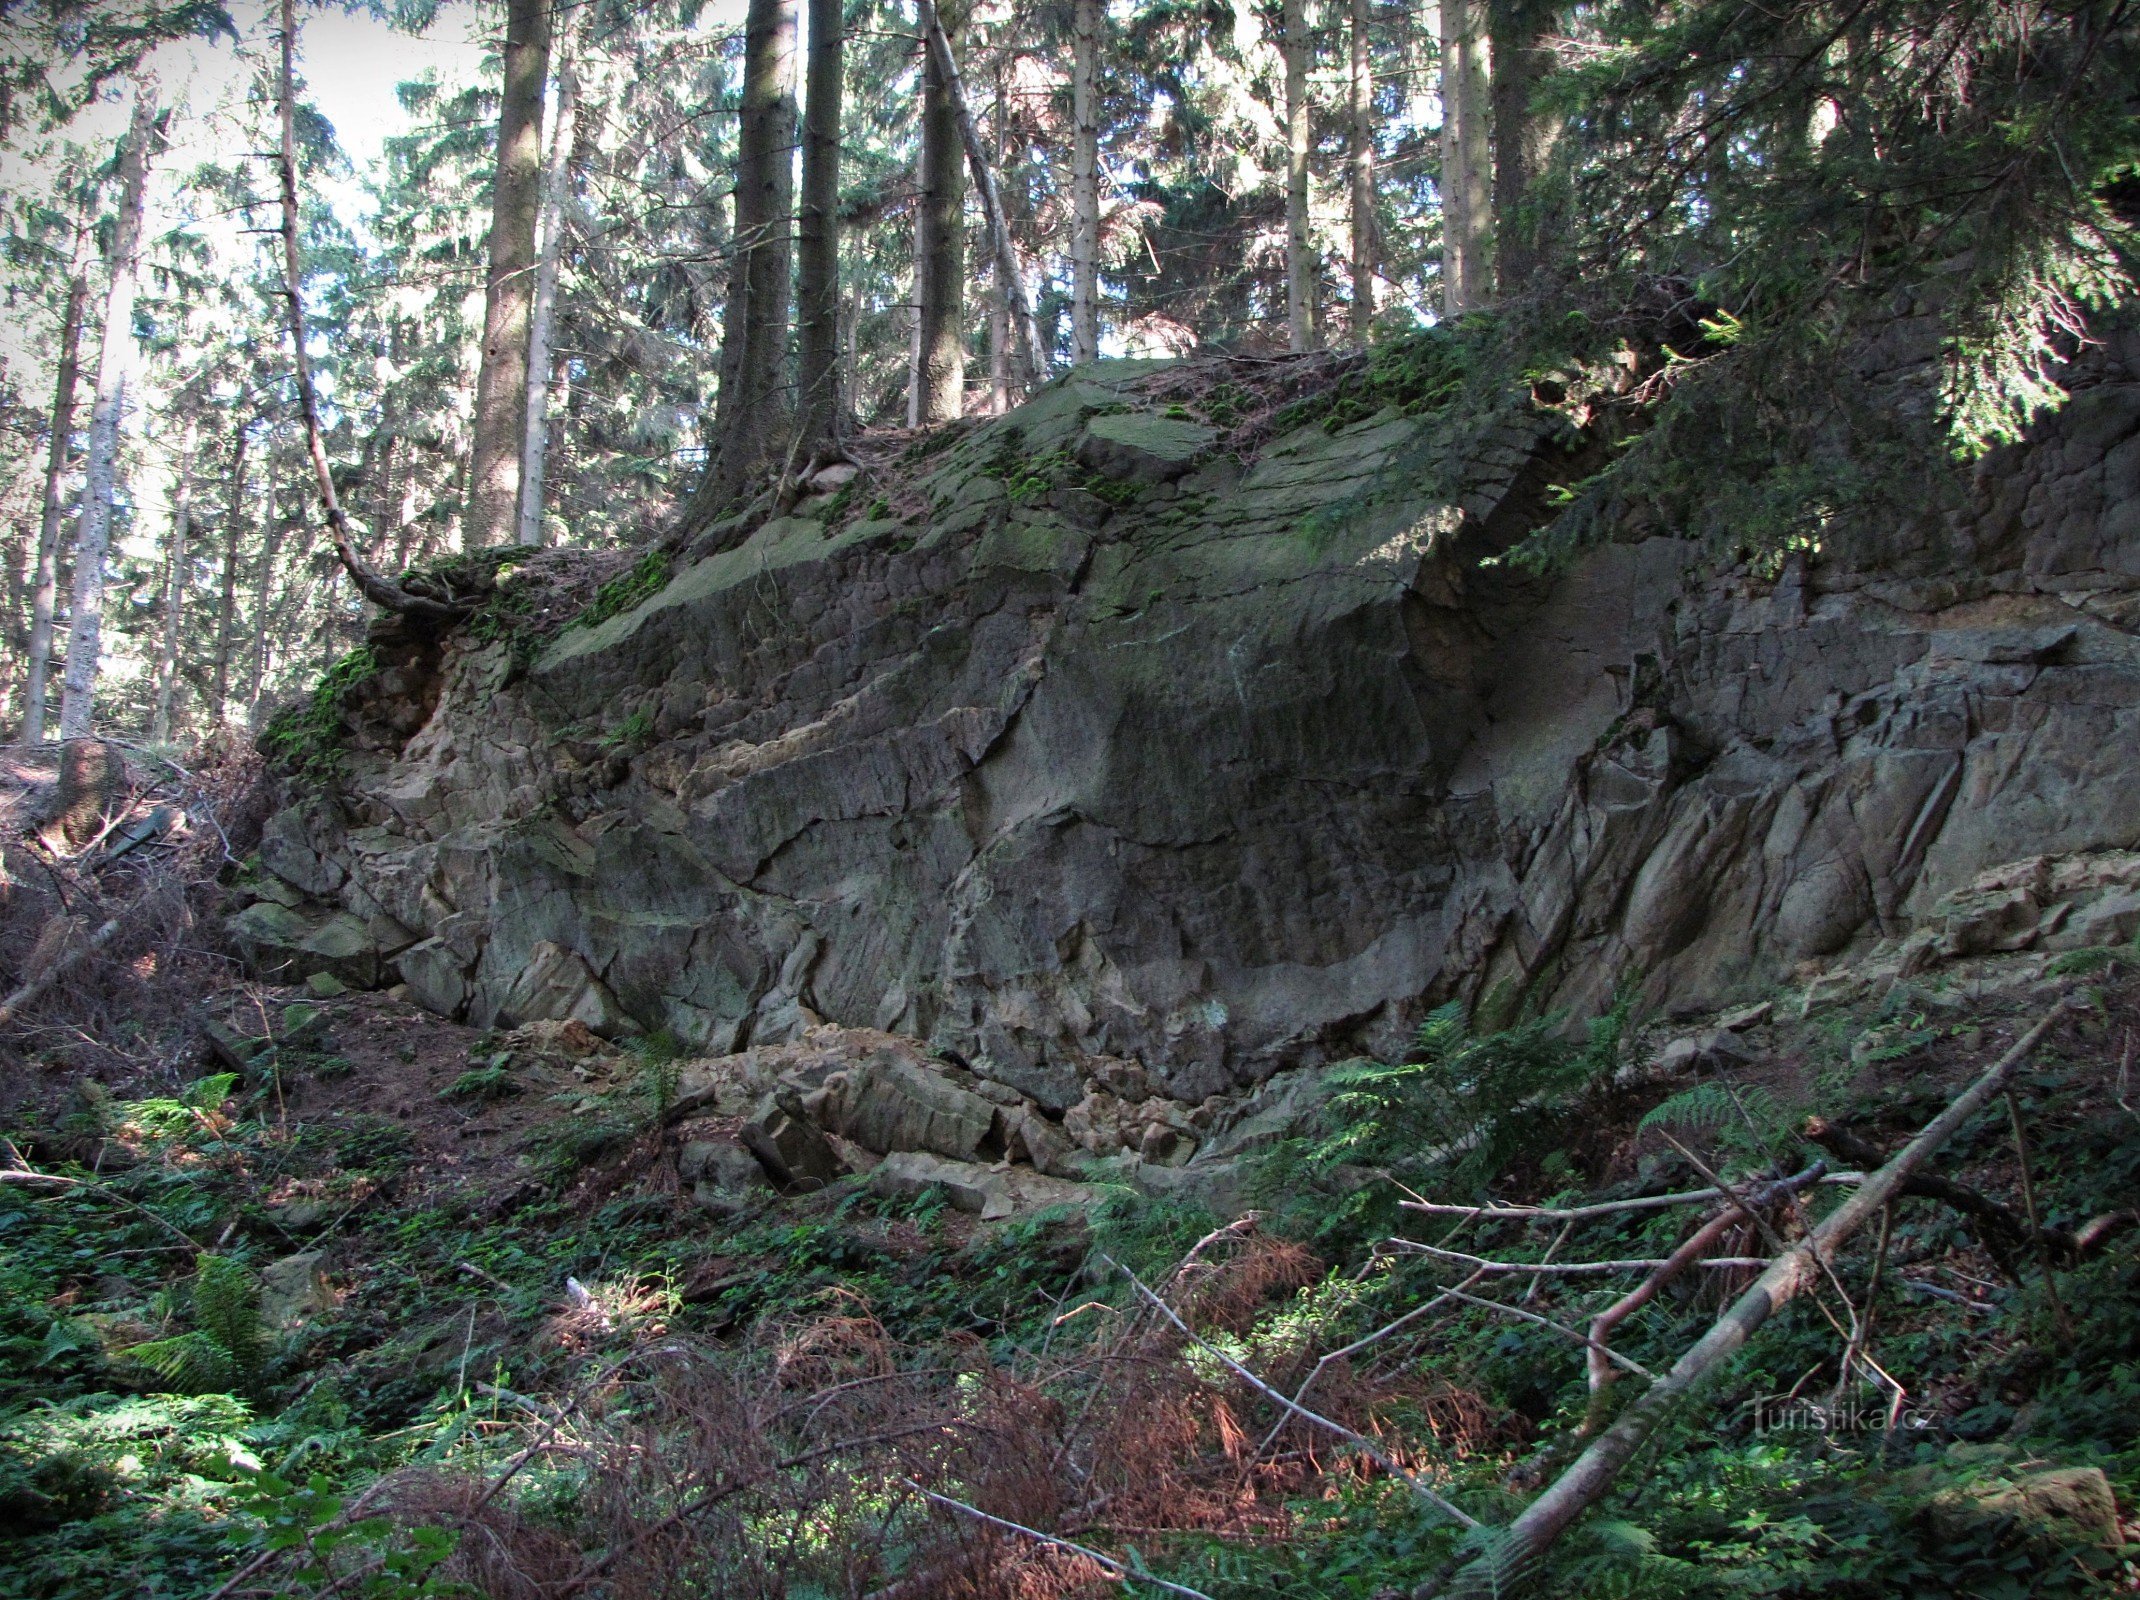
(120, 1015)
(801, 1459)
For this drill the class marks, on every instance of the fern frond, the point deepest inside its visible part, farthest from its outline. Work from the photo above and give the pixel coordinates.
(226, 1305)
(190, 1363)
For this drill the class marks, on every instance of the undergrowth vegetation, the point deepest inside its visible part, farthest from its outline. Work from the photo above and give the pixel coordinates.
(584, 1387)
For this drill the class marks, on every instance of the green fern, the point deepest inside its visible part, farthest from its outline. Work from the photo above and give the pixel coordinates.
(227, 1347)
(1744, 1119)
(1461, 1112)
(187, 1363)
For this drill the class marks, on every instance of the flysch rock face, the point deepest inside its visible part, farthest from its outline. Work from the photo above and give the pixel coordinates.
(1151, 801)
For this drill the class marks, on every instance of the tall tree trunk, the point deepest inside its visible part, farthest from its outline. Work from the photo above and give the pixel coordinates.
(939, 239)
(556, 189)
(174, 583)
(817, 246)
(752, 415)
(226, 626)
(999, 300)
(1467, 217)
(1361, 163)
(1299, 302)
(1085, 182)
(44, 584)
(92, 536)
(1523, 139)
(263, 610)
(509, 286)
(993, 216)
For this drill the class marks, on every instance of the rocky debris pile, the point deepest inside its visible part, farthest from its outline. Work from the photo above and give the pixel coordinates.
(858, 1100)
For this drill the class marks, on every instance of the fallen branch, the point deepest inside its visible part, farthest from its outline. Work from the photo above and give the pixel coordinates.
(1355, 1348)
(29, 992)
(1560, 1328)
(1603, 1208)
(2001, 1229)
(1114, 1569)
(1586, 1480)
(1687, 1255)
(1578, 1269)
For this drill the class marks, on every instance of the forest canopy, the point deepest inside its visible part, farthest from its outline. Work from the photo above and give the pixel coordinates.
(616, 270)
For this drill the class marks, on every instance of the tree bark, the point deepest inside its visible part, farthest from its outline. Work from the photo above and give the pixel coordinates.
(939, 377)
(1593, 1472)
(263, 610)
(1523, 140)
(817, 245)
(44, 584)
(174, 590)
(1299, 305)
(751, 415)
(1085, 182)
(226, 630)
(993, 216)
(556, 189)
(1360, 163)
(92, 536)
(1467, 218)
(509, 286)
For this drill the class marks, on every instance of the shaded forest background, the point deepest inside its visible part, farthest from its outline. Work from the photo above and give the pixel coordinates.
(527, 333)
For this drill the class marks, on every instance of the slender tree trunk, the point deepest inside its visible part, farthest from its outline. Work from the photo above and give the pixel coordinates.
(263, 612)
(817, 244)
(93, 526)
(1299, 292)
(556, 189)
(993, 217)
(999, 299)
(939, 240)
(174, 590)
(374, 588)
(1361, 164)
(1467, 217)
(226, 627)
(1523, 139)
(1085, 182)
(509, 286)
(752, 415)
(44, 583)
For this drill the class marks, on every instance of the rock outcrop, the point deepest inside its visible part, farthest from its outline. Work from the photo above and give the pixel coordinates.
(1131, 784)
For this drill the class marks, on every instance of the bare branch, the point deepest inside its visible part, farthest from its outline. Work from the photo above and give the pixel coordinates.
(1381, 1460)
(1115, 1569)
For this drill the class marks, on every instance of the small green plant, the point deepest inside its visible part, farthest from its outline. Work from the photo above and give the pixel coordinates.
(1414, 375)
(644, 579)
(368, 1556)
(633, 733)
(2079, 963)
(1028, 480)
(305, 740)
(491, 1081)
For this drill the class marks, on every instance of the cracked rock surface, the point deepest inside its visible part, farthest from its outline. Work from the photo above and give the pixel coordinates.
(1127, 802)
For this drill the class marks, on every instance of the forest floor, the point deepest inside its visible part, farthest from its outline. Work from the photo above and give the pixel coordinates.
(306, 1293)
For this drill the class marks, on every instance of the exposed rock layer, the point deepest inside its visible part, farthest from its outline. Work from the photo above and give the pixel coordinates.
(1130, 805)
